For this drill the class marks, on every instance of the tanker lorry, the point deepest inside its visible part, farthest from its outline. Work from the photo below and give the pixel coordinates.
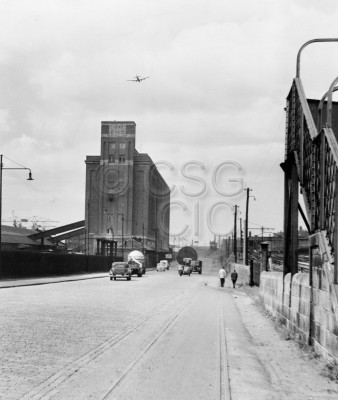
(136, 262)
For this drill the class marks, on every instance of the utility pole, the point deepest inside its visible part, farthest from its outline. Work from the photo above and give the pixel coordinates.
(248, 190)
(241, 236)
(235, 233)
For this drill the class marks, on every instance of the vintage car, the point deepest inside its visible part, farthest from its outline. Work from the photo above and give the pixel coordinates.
(196, 266)
(186, 263)
(184, 270)
(120, 270)
(160, 267)
(164, 265)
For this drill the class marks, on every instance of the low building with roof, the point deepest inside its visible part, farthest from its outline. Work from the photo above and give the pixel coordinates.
(15, 238)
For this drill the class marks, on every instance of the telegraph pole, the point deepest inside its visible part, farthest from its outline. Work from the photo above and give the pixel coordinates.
(235, 233)
(248, 190)
(241, 236)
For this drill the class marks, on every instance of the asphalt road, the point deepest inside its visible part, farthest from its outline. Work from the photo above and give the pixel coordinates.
(161, 336)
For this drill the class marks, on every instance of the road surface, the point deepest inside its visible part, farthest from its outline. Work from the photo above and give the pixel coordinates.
(161, 336)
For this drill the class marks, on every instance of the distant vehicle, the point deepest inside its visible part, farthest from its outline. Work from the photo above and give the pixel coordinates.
(165, 264)
(186, 270)
(120, 270)
(160, 267)
(180, 270)
(137, 263)
(185, 267)
(196, 266)
(138, 79)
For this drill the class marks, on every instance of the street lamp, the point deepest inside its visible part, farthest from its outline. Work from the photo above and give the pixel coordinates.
(28, 179)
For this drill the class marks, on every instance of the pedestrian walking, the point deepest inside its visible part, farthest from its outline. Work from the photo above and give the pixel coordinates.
(222, 274)
(234, 277)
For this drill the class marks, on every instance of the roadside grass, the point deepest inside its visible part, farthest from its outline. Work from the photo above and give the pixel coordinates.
(330, 370)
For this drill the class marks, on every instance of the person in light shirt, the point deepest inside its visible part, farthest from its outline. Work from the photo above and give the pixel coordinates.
(222, 274)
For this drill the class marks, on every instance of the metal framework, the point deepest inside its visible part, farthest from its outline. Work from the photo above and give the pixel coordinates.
(311, 161)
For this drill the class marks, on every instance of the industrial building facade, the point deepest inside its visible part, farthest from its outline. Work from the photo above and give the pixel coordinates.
(127, 200)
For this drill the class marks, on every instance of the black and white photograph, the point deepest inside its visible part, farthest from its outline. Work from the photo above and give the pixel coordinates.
(168, 200)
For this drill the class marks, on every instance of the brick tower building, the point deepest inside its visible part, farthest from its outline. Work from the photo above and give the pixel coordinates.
(127, 200)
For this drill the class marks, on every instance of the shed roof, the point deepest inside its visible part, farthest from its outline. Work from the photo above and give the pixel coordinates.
(14, 235)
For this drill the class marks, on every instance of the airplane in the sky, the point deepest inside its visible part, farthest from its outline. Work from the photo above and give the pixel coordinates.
(138, 79)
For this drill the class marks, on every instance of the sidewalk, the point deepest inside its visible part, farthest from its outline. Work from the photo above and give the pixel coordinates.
(10, 283)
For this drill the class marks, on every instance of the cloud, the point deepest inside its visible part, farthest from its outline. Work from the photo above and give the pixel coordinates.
(4, 123)
(219, 75)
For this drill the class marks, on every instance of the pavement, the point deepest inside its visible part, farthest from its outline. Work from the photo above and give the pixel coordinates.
(9, 283)
(12, 282)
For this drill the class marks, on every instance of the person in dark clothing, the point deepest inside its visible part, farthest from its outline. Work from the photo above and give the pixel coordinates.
(234, 277)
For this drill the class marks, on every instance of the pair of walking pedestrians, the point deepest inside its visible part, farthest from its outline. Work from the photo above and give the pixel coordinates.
(222, 275)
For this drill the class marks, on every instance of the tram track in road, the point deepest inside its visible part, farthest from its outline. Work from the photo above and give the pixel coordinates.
(225, 388)
(222, 386)
(133, 364)
(49, 388)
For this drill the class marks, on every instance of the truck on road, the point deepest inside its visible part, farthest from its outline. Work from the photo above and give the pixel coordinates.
(196, 266)
(136, 262)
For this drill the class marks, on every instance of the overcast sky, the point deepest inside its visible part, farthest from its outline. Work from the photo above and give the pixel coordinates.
(219, 72)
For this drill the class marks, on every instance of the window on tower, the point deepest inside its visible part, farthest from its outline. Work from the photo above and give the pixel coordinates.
(111, 148)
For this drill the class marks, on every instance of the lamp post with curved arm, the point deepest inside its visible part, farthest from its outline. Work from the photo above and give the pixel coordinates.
(28, 179)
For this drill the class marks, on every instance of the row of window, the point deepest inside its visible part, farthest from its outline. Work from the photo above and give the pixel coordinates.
(112, 146)
(111, 159)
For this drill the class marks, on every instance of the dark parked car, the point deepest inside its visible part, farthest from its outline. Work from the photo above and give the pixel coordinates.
(120, 270)
(196, 266)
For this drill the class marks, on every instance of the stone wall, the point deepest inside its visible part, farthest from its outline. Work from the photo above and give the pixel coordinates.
(310, 313)
(325, 311)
